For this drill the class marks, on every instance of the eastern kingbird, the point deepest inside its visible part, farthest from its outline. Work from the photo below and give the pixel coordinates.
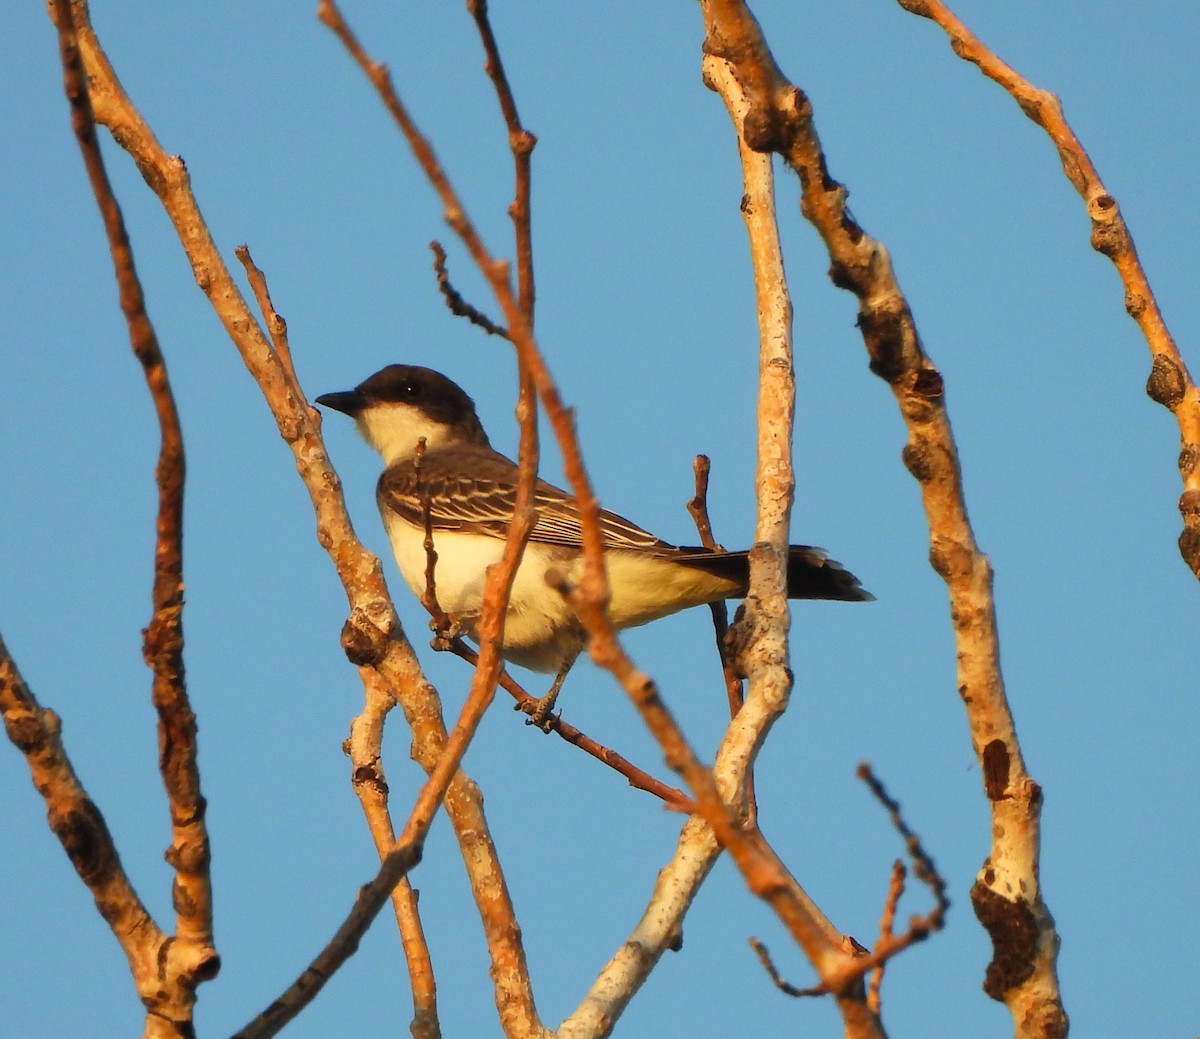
(469, 490)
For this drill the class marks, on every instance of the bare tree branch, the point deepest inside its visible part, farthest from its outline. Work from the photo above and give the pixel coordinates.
(365, 747)
(889, 944)
(373, 634)
(76, 821)
(637, 778)
(370, 784)
(779, 118)
(166, 970)
(510, 975)
(521, 143)
(457, 305)
(887, 930)
(761, 631)
(1170, 383)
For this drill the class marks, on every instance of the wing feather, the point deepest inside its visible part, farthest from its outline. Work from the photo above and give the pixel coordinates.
(483, 504)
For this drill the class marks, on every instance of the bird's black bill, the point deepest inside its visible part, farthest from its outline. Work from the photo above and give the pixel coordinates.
(348, 402)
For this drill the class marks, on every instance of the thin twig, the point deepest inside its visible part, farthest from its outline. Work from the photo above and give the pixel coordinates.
(843, 975)
(735, 692)
(923, 866)
(887, 930)
(454, 299)
(276, 324)
(443, 627)
(673, 798)
(919, 927)
(697, 507)
(521, 143)
(781, 983)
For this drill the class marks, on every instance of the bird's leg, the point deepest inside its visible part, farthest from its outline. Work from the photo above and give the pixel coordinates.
(541, 715)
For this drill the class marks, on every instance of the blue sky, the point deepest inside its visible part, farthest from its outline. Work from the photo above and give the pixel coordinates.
(646, 314)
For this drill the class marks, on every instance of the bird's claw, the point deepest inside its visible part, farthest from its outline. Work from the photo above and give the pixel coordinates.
(541, 712)
(445, 634)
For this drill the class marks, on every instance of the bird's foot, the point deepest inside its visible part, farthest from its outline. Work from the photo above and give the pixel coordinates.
(541, 712)
(446, 632)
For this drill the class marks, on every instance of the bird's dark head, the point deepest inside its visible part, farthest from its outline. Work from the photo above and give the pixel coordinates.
(402, 403)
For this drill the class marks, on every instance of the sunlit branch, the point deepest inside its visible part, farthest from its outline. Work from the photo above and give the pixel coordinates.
(372, 634)
(1170, 383)
(779, 119)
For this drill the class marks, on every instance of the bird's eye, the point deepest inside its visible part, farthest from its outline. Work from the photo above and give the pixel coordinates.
(411, 389)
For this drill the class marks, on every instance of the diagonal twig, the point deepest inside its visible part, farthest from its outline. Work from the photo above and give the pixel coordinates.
(455, 302)
(889, 944)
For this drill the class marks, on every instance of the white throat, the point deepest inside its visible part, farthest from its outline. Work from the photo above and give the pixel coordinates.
(394, 430)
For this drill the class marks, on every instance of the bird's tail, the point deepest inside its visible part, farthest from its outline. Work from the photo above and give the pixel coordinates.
(811, 574)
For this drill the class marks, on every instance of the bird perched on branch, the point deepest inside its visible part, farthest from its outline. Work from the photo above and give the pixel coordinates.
(466, 490)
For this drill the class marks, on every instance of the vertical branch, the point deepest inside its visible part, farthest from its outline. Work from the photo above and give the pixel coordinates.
(191, 956)
(765, 622)
(1007, 895)
(370, 784)
(521, 142)
(698, 509)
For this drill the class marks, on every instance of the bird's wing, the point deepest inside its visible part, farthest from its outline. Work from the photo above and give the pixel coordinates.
(482, 503)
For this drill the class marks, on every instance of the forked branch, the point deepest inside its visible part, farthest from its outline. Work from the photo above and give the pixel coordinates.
(166, 969)
(779, 118)
(373, 634)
